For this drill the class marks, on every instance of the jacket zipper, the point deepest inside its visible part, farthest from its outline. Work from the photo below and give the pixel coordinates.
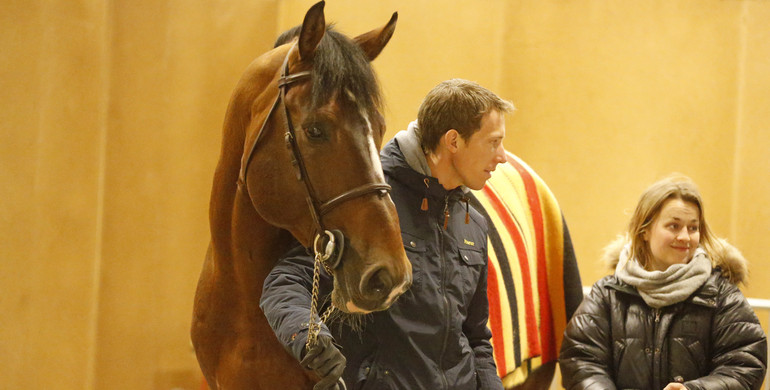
(446, 212)
(443, 293)
(655, 351)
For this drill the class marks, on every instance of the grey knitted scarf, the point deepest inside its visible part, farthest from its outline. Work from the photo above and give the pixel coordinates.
(664, 288)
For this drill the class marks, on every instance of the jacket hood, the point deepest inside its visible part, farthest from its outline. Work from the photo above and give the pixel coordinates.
(727, 258)
(395, 165)
(392, 158)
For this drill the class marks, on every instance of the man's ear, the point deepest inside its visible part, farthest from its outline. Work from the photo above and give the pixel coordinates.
(451, 139)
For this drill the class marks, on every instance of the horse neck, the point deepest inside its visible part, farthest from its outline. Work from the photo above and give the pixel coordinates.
(247, 248)
(256, 244)
(238, 232)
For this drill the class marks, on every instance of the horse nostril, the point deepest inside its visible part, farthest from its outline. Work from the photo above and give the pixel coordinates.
(378, 284)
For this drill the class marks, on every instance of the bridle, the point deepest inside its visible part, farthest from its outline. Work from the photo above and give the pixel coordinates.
(332, 255)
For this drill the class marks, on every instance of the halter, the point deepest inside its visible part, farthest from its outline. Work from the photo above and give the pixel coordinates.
(318, 209)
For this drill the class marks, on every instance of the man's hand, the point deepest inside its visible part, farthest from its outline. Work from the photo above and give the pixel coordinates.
(675, 386)
(326, 361)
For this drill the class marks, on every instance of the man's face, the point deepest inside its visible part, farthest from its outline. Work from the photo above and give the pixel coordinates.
(475, 159)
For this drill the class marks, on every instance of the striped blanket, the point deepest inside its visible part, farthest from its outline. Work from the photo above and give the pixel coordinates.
(533, 280)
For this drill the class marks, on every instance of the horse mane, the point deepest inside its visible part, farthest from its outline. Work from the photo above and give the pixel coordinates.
(339, 65)
(287, 36)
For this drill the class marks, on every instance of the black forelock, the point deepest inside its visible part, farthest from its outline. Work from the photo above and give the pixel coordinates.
(340, 64)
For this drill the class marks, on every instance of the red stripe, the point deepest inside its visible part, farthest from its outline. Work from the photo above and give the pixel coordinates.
(496, 319)
(533, 341)
(546, 317)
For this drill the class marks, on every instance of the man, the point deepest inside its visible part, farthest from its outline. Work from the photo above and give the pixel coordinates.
(435, 335)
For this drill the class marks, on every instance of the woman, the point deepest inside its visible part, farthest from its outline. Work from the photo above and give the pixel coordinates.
(671, 317)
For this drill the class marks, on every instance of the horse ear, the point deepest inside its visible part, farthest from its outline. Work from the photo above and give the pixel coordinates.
(313, 29)
(373, 41)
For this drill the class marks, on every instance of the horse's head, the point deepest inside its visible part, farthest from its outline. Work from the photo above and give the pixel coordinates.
(315, 165)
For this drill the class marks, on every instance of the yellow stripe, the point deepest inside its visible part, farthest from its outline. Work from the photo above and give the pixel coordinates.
(520, 374)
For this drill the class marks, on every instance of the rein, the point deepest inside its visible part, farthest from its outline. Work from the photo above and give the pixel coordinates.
(331, 255)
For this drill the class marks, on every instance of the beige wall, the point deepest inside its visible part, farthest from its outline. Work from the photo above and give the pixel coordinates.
(172, 67)
(53, 115)
(111, 116)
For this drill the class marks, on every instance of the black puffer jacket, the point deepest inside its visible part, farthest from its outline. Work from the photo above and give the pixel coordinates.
(435, 335)
(712, 340)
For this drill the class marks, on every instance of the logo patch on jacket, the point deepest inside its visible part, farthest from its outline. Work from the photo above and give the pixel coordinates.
(689, 328)
(471, 243)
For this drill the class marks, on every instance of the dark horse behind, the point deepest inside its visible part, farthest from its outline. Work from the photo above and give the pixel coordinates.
(299, 158)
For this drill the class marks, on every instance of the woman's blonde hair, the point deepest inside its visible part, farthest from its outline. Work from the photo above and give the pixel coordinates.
(674, 186)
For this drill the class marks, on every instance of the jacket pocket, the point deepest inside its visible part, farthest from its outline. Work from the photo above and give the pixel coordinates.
(472, 262)
(692, 367)
(471, 257)
(618, 352)
(371, 376)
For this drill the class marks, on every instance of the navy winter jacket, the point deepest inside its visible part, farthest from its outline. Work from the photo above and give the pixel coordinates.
(435, 336)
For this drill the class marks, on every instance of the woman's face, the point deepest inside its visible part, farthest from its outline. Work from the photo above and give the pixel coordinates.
(673, 235)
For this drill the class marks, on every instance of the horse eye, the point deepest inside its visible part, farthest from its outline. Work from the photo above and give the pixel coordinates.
(314, 131)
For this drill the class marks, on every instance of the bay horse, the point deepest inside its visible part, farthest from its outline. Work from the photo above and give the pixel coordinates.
(299, 162)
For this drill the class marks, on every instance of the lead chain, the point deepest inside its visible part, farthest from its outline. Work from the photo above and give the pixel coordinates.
(314, 327)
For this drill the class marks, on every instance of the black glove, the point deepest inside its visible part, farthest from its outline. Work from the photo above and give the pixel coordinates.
(326, 360)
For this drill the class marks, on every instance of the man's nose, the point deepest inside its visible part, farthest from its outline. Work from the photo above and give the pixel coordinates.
(500, 154)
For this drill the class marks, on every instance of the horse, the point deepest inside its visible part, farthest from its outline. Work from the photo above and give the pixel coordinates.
(299, 161)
